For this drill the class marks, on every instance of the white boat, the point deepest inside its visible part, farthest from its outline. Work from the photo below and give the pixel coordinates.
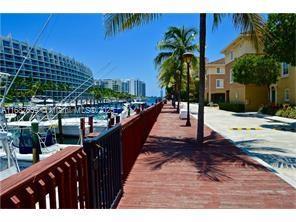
(46, 152)
(70, 126)
(17, 149)
(41, 100)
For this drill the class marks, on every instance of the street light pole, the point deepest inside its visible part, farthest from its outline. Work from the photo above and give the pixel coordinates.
(187, 57)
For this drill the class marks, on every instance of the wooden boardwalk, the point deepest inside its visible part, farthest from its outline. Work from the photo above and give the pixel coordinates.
(173, 172)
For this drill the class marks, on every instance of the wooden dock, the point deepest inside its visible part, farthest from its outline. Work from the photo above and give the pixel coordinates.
(172, 171)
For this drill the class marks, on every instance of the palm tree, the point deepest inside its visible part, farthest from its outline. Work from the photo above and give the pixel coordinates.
(166, 75)
(252, 23)
(176, 42)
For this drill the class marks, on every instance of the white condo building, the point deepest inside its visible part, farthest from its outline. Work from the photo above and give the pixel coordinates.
(44, 65)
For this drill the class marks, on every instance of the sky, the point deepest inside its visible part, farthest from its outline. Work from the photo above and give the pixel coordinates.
(131, 53)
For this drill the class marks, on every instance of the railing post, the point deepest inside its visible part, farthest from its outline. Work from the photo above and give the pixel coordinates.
(91, 171)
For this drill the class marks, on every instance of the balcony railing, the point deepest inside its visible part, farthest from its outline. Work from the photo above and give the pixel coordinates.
(88, 177)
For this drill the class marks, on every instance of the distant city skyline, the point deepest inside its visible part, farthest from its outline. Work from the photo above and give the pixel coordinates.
(131, 53)
(132, 86)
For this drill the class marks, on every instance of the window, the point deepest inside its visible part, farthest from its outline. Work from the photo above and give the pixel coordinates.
(218, 70)
(285, 69)
(231, 76)
(231, 55)
(24, 48)
(6, 43)
(219, 83)
(287, 95)
(16, 46)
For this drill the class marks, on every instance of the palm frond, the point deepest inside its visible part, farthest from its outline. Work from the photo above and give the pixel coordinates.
(120, 22)
(250, 23)
(161, 57)
(217, 18)
(173, 32)
(166, 45)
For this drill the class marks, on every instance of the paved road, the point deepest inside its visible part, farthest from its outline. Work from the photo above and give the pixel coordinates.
(273, 140)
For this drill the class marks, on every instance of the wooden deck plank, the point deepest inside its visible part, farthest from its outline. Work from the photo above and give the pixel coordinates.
(172, 171)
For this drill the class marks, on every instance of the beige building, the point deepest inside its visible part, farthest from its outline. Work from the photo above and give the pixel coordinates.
(251, 95)
(284, 91)
(216, 88)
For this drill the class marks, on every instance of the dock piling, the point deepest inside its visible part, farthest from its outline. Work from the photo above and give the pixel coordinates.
(91, 124)
(82, 130)
(61, 137)
(35, 149)
(117, 119)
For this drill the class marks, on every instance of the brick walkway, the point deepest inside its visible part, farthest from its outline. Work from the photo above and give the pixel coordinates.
(173, 172)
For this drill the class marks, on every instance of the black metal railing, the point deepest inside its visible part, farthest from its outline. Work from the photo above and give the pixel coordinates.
(104, 159)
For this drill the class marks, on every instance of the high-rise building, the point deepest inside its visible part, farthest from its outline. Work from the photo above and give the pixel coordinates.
(125, 86)
(114, 84)
(117, 85)
(44, 65)
(137, 87)
(143, 89)
(132, 86)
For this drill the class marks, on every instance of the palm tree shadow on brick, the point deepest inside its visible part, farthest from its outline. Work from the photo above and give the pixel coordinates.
(211, 161)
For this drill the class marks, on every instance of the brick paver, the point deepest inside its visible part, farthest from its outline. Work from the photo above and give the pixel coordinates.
(172, 171)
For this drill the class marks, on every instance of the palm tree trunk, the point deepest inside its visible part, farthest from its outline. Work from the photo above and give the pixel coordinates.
(179, 90)
(181, 74)
(178, 95)
(202, 44)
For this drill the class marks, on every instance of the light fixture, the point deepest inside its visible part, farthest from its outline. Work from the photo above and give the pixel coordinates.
(187, 57)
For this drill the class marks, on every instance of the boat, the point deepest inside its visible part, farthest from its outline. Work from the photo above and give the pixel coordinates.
(17, 147)
(11, 165)
(42, 100)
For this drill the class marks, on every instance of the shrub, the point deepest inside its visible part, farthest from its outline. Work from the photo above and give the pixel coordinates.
(284, 111)
(288, 112)
(269, 109)
(233, 107)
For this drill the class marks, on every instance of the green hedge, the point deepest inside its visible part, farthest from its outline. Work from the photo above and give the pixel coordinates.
(288, 112)
(233, 107)
(284, 110)
(269, 109)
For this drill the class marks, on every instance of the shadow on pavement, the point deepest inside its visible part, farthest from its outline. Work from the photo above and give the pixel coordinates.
(275, 157)
(287, 127)
(211, 160)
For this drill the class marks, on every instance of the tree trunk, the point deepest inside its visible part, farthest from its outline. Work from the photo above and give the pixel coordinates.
(269, 99)
(179, 90)
(202, 44)
(181, 73)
